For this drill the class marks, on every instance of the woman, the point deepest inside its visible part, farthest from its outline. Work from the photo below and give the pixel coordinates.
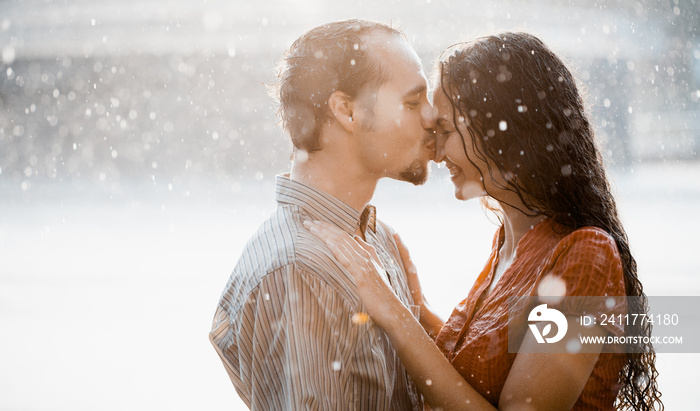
(512, 126)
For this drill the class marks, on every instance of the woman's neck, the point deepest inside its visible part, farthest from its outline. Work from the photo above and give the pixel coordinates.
(516, 224)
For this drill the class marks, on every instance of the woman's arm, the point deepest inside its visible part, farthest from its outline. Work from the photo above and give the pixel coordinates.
(441, 385)
(432, 324)
(546, 376)
(542, 379)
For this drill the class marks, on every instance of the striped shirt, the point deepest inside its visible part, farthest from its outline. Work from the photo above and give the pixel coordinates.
(289, 327)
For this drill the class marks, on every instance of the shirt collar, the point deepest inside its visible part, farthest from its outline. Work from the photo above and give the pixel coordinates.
(324, 207)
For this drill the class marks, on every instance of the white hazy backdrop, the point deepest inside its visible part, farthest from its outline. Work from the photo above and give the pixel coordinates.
(119, 227)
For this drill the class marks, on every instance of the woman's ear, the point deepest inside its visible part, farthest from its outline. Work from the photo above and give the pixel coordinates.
(342, 108)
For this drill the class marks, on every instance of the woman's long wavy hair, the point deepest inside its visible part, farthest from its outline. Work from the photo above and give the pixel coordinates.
(527, 121)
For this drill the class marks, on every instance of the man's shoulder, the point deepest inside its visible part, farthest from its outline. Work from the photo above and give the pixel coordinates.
(282, 247)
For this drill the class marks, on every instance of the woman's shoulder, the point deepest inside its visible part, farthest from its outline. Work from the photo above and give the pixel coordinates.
(589, 242)
(588, 261)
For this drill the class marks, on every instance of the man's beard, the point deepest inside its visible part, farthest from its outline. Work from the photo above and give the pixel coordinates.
(416, 173)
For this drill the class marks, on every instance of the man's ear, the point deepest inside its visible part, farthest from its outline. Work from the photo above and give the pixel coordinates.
(342, 108)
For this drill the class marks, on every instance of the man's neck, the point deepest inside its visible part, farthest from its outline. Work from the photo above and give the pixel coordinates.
(339, 177)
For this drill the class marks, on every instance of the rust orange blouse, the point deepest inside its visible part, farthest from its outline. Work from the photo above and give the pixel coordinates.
(475, 339)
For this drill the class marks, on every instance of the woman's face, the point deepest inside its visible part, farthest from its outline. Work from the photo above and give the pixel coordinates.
(450, 150)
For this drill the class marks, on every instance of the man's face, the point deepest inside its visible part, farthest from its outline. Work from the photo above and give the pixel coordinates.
(395, 122)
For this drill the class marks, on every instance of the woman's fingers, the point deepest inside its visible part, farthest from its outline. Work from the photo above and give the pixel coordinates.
(327, 232)
(354, 254)
(371, 250)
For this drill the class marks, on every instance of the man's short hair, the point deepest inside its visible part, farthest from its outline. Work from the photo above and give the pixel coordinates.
(328, 58)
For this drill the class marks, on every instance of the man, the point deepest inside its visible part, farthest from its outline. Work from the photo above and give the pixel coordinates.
(289, 327)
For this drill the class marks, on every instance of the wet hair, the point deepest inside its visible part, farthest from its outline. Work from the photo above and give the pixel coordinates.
(328, 58)
(527, 121)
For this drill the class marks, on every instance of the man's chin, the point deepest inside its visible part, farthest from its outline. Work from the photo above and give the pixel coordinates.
(415, 175)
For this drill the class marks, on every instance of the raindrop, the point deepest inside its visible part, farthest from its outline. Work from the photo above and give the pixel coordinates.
(360, 318)
(301, 156)
(552, 286)
(573, 346)
(8, 54)
(609, 302)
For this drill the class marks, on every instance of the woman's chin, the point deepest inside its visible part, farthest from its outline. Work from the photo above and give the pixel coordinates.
(467, 190)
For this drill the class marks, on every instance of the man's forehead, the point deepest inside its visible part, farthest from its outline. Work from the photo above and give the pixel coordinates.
(395, 51)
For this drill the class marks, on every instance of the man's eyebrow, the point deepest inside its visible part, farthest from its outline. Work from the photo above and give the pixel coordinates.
(416, 90)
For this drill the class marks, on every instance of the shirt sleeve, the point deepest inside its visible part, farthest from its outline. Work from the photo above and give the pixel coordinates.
(293, 345)
(587, 264)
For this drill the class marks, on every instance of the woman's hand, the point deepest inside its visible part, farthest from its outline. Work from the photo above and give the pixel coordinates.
(362, 262)
(440, 383)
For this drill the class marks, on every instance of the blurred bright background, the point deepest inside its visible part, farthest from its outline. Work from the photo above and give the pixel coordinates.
(138, 149)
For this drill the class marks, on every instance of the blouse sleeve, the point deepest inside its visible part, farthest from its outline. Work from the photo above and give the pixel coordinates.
(588, 264)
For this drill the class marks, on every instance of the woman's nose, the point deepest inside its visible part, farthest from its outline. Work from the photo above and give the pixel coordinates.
(439, 148)
(427, 118)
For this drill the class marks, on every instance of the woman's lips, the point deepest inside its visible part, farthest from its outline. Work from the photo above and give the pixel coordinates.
(454, 170)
